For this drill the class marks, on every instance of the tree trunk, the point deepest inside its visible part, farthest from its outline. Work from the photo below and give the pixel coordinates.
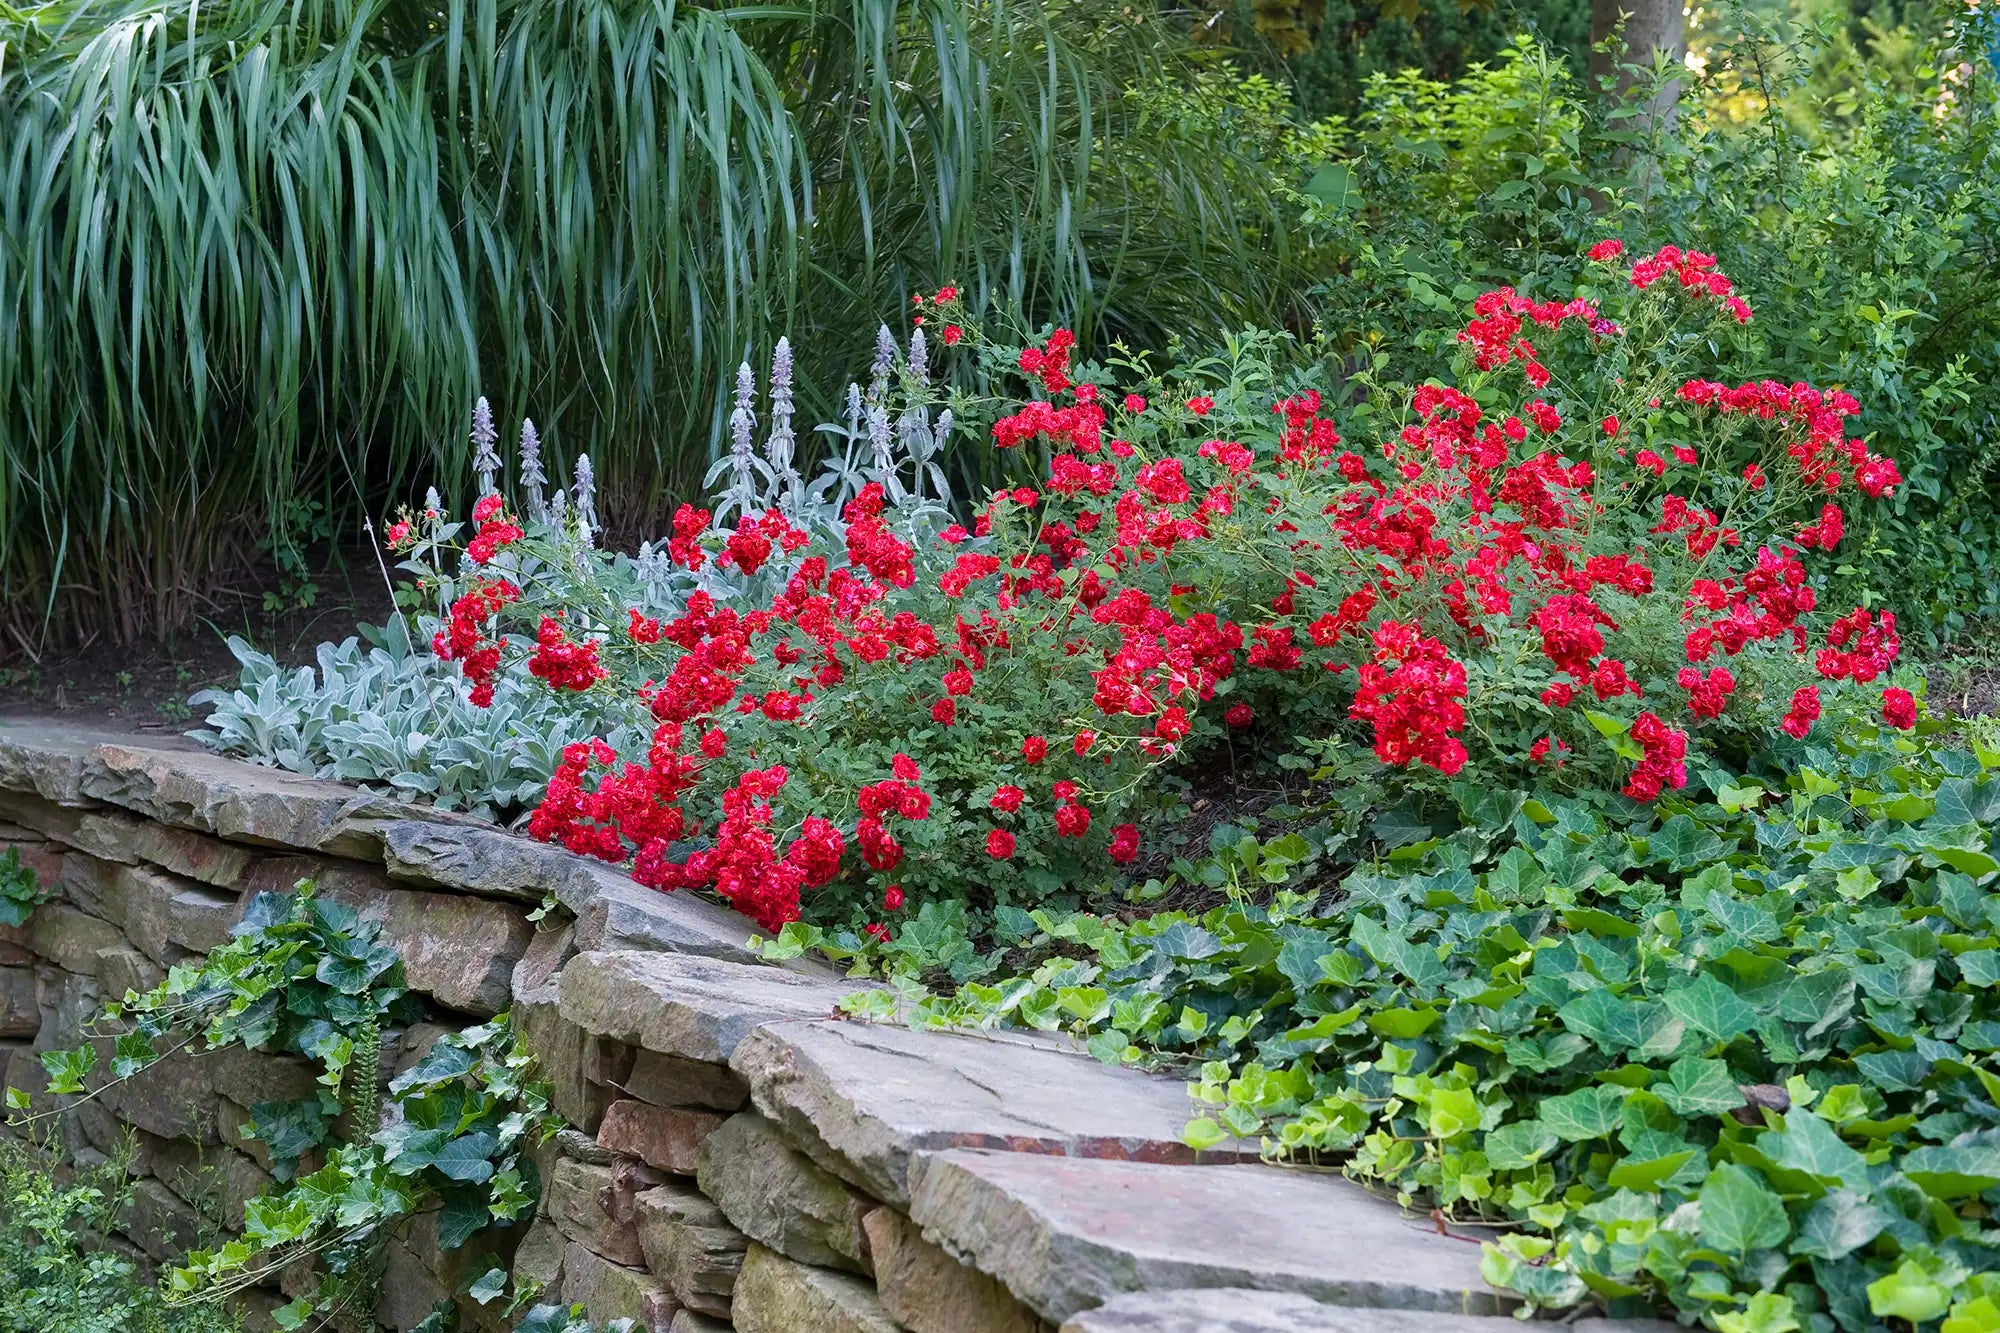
(1650, 25)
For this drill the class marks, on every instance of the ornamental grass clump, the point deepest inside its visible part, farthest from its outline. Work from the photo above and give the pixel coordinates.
(1585, 564)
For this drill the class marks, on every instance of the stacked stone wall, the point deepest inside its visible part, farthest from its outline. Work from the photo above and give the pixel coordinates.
(739, 1155)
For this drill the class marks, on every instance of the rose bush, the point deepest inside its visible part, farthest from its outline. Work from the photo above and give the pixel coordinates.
(1585, 558)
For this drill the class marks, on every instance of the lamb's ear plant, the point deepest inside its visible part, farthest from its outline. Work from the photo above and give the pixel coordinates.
(381, 708)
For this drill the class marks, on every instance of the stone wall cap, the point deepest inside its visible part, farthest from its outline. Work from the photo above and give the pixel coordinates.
(1244, 1310)
(688, 1005)
(1068, 1234)
(864, 1099)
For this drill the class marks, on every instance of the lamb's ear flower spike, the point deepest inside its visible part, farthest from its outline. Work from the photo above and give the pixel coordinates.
(586, 500)
(533, 479)
(781, 445)
(485, 462)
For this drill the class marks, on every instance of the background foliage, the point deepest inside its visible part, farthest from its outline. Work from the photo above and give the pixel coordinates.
(259, 256)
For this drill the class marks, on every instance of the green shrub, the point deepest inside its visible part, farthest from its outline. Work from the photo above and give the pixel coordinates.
(57, 1275)
(1856, 218)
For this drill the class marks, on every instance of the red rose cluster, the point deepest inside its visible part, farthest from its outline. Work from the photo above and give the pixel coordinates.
(1152, 592)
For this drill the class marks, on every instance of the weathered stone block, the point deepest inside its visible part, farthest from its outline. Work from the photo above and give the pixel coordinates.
(42, 858)
(113, 835)
(193, 789)
(572, 1202)
(862, 1099)
(774, 1193)
(692, 1007)
(561, 1050)
(22, 806)
(615, 913)
(545, 955)
(216, 1182)
(1066, 1234)
(608, 1290)
(928, 1291)
(122, 970)
(538, 1260)
(20, 1004)
(71, 939)
(470, 859)
(669, 1080)
(409, 1290)
(776, 1295)
(687, 1321)
(665, 1137)
(161, 911)
(249, 1077)
(1241, 1310)
(160, 1222)
(461, 951)
(691, 1245)
(174, 1099)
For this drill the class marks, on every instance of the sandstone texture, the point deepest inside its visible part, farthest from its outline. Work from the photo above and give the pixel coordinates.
(1066, 1234)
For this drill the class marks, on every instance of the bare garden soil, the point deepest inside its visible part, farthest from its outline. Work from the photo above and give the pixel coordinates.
(144, 686)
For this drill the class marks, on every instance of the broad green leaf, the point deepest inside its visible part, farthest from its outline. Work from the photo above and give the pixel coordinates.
(1587, 1113)
(1909, 1293)
(1838, 1223)
(1710, 1007)
(1739, 1213)
(1646, 1176)
(1699, 1087)
(1953, 1172)
(1810, 1144)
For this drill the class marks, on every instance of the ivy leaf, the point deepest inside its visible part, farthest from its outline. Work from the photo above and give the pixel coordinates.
(1299, 962)
(1588, 1113)
(1739, 1213)
(447, 1059)
(490, 1286)
(1521, 1144)
(1611, 1021)
(1954, 1172)
(1909, 1293)
(1811, 1145)
(1712, 1008)
(1699, 1087)
(1647, 1176)
(468, 1158)
(1397, 954)
(1187, 942)
(1837, 1224)
(289, 1129)
(1964, 801)
(463, 1216)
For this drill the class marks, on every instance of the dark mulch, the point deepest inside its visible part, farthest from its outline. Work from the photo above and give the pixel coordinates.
(144, 686)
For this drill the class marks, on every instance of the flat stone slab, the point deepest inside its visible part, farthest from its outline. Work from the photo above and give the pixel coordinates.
(65, 772)
(687, 1005)
(1068, 1234)
(864, 1099)
(178, 783)
(1242, 1310)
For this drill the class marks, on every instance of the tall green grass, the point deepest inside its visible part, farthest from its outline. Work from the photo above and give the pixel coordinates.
(256, 251)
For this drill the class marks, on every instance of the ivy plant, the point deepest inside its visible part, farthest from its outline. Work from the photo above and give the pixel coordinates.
(308, 977)
(1736, 1055)
(20, 890)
